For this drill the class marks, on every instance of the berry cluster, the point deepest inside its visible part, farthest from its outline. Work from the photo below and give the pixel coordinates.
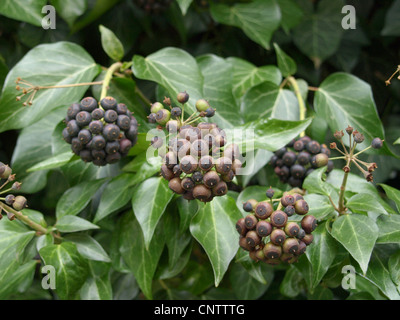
(153, 6)
(298, 159)
(17, 202)
(197, 162)
(268, 235)
(101, 134)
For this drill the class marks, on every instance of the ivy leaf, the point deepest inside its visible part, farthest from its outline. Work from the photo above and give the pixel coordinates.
(214, 228)
(365, 203)
(248, 16)
(389, 229)
(286, 64)
(111, 44)
(269, 100)
(70, 11)
(314, 183)
(58, 63)
(392, 25)
(70, 223)
(187, 210)
(116, 194)
(21, 278)
(23, 10)
(148, 203)
(291, 283)
(291, 14)
(53, 162)
(175, 70)
(358, 234)
(392, 194)
(267, 134)
(88, 247)
(321, 253)
(345, 99)
(141, 262)
(184, 5)
(217, 87)
(76, 198)
(98, 284)
(246, 75)
(14, 237)
(319, 33)
(71, 268)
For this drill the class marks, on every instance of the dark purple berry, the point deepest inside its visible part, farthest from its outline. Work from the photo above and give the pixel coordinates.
(88, 104)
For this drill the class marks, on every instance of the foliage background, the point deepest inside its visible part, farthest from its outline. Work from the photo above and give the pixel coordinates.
(308, 31)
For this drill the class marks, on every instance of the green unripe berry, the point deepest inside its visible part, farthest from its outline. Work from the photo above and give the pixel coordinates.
(155, 107)
(202, 105)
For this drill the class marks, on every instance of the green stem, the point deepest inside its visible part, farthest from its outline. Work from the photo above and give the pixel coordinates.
(107, 78)
(302, 106)
(25, 219)
(342, 208)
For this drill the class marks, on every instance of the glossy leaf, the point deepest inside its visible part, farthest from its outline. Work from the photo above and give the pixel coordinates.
(70, 223)
(23, 10)
(88, 247)
(358, 234)
(214, 228)
(71, 11)
(141, 262)
(73, 65)
(392, 194)
(389, 229)
(77, 198)
(98, 284)
(286, 64)
(71, 268)
(111, 44)
(247, 16)
(148, 203)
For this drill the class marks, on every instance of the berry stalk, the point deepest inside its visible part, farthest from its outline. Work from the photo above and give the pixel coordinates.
(302, 106)
(107, 78)
(40, 229)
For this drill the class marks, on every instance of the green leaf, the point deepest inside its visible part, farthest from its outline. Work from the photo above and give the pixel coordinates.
(148, 203)
(21, 280)
(320, 293)
(394, 268)
(268, 134)
(197, 278)
(175, 70)
(184, 5)
(53, 162)
(343, 99)
(111, 44)
(141, 262)
(217, 87)
(392, 194)
(320, 206)
(319, 33)
(358, 234)
(58, 63)
(314, 183)
(291, 14)
(58, 144)
(253, 269)
(245, 286)
(145, 167)
(291, 283)
(71, 268)
(379, 274)
(214, 228)
(14, 237)
(392, 18)
(365, 203)
(88, 247)
(269, 100)
(187, 210)
(261, 158)
(246, 75)
(98, 284)
(248, 17)
(74, 224)
(116, 194)
(124, 286)
(321, 253)
(76, 198)
(286, 64)
(23, 10)
(389, 229)
(70, 11)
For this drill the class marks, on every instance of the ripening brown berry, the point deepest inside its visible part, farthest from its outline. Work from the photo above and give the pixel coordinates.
(250, 221)
(243, 244)
(291, 245)
(263, 228)
(278, 218)
(201, 192)
(241, 227)
(249, 205)
(252, 238)
(272, 251)
(292, 229)
(175, 185)
(167, 173)
(223, 165)
(188, 164)
(309, 223)
(278, 236)
(263, 210)
(308, 239)
(220, 189)
(301, 207)
(287, 200)
(211, 179)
